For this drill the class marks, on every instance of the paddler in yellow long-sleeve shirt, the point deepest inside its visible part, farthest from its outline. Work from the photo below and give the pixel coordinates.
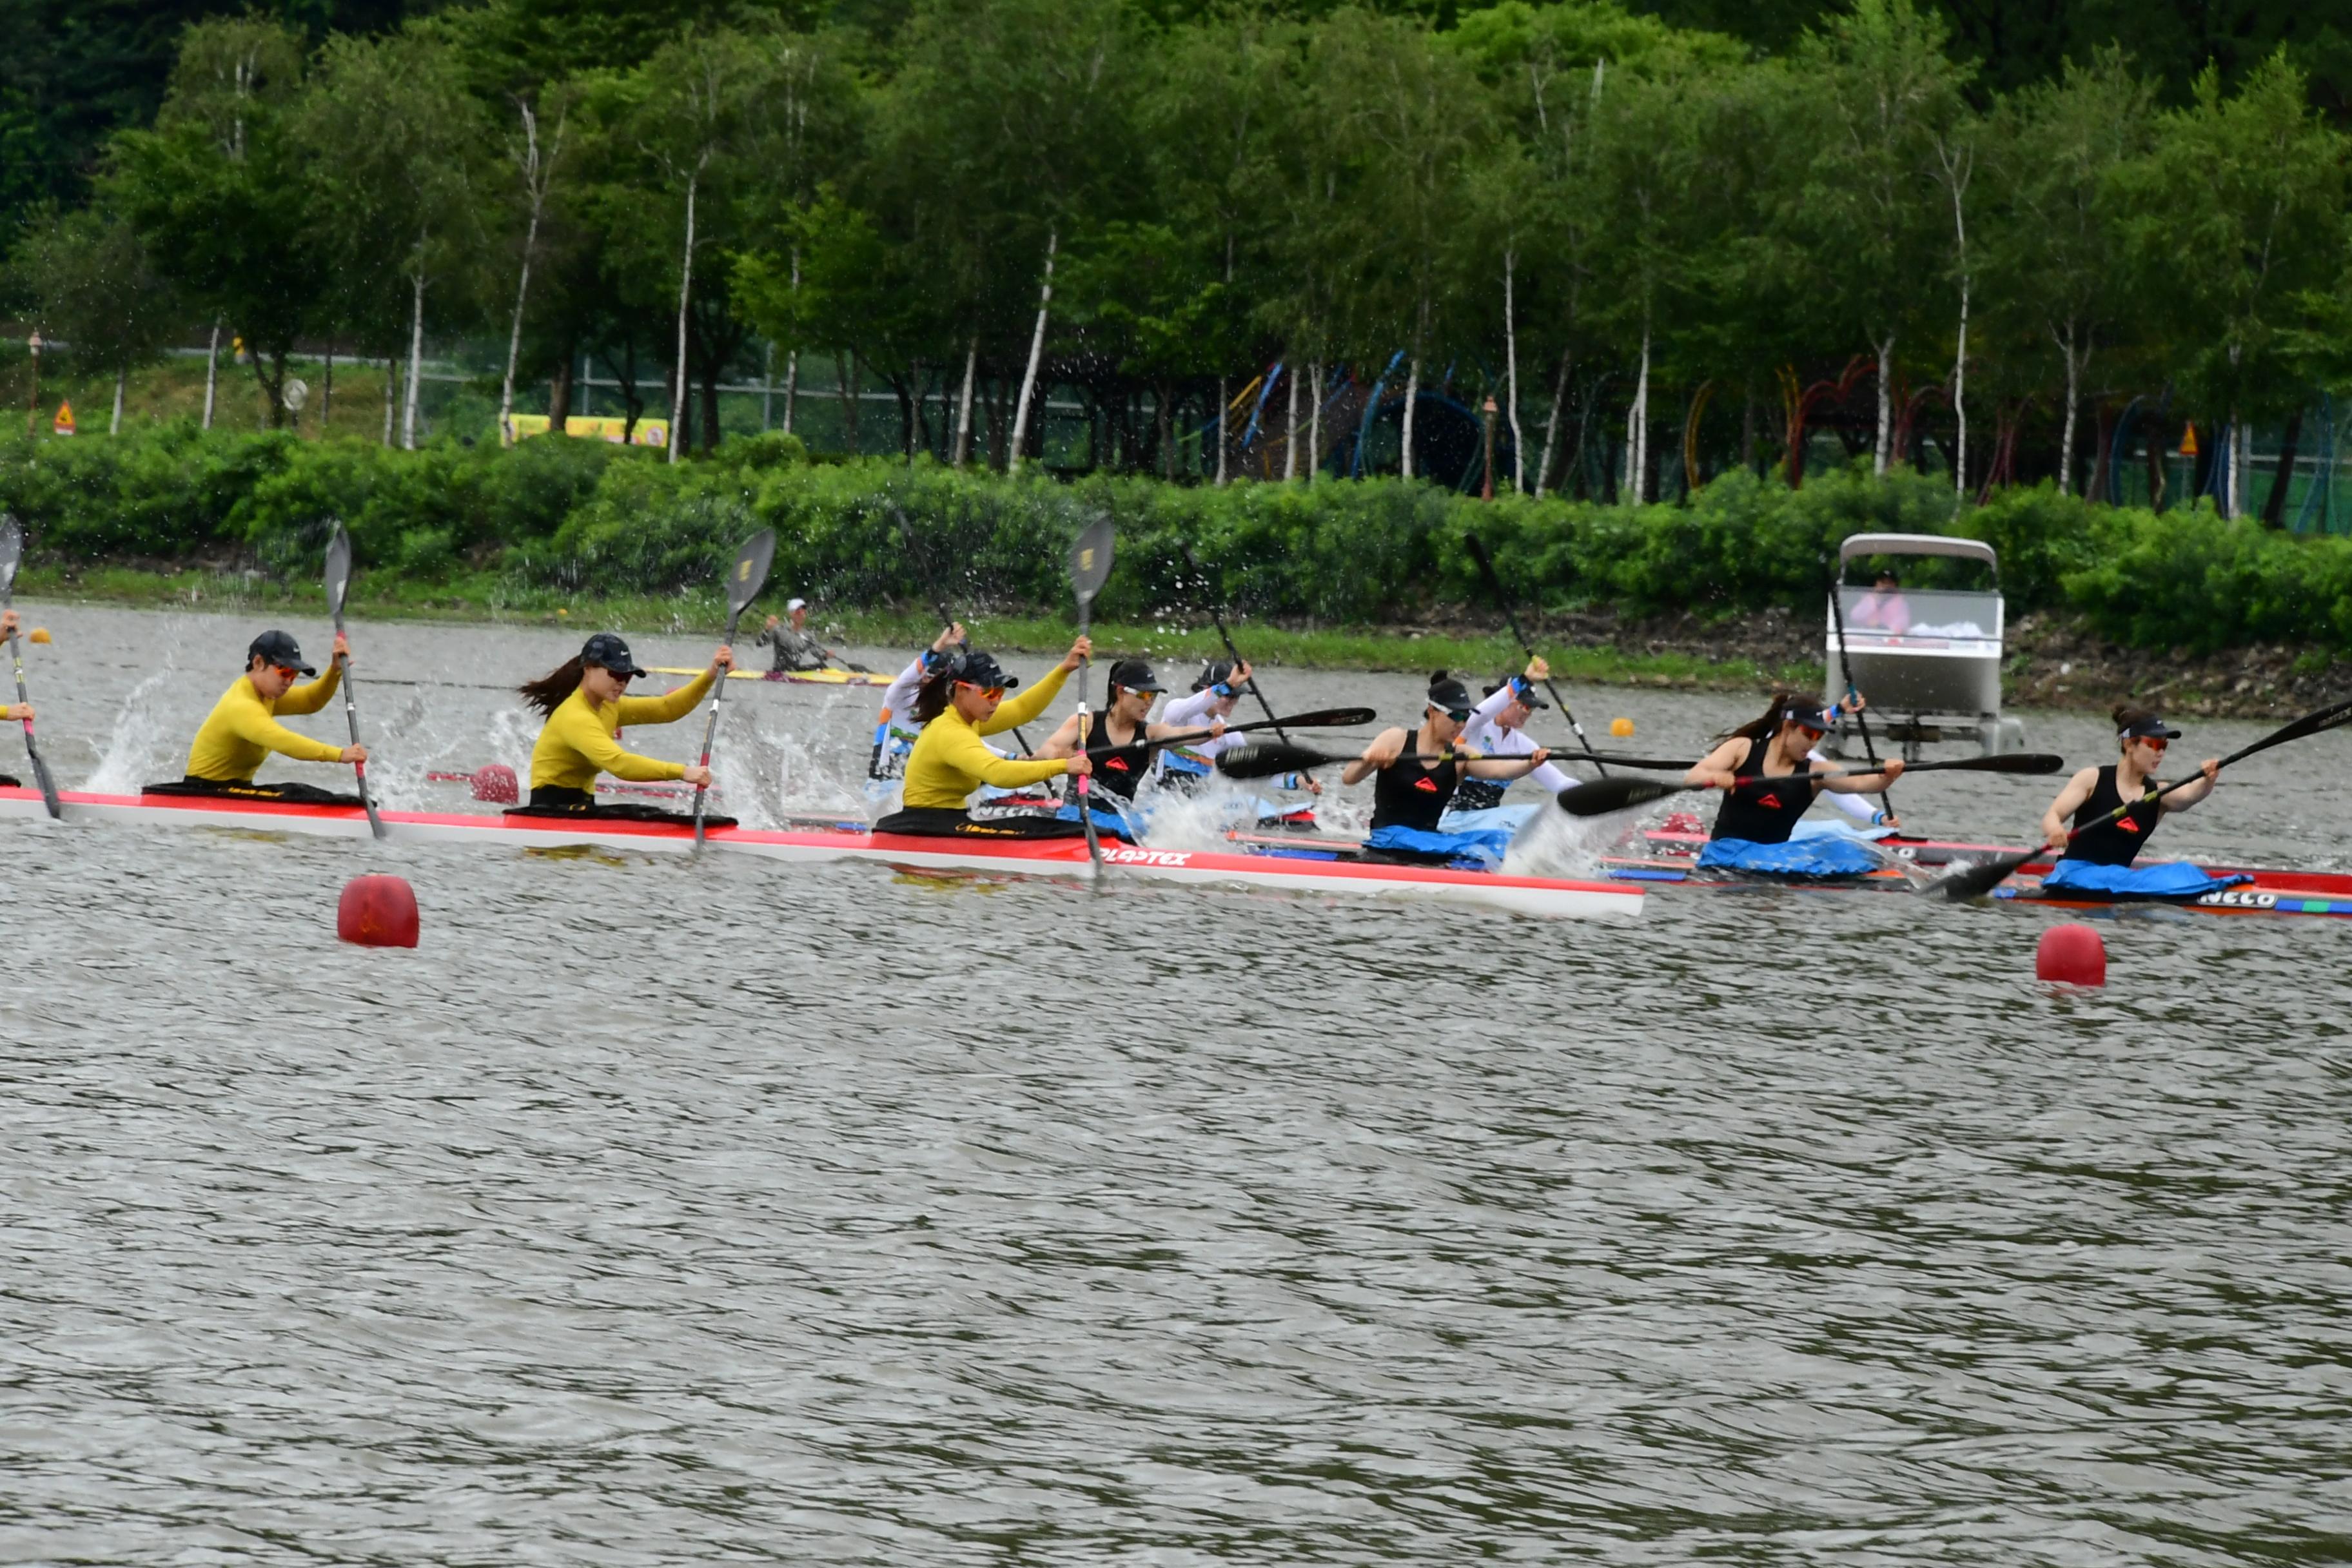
(961, 700)
(243, 730)
(586, 701)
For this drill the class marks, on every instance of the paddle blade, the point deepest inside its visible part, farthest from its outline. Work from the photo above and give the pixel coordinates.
(1090, 560)
(1978, 877)
(12, 551)
(750, 573)
(1470, 542)
(339, 570)
(1271, 759)
(2309, 724)
(1603, 796)
(1326, 719)
(2030, 763)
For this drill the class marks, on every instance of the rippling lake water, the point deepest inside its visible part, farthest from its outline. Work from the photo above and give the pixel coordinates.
(664, 1212)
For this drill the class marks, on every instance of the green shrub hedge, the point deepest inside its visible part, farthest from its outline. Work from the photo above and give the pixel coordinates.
(593, 518)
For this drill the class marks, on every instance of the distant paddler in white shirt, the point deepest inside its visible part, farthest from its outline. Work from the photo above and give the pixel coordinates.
(586, 701)
(796, 647)
(243, 730)
(11, 712)
(895, 727)
(1497, 728)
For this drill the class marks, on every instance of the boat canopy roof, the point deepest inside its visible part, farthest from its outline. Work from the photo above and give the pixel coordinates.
(1919, 544)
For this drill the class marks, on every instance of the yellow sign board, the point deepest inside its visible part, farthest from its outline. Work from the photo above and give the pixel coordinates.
(593, 427)
(65, 422)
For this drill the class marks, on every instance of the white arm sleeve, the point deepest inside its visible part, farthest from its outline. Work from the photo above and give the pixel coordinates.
(1189, 713)
(1497, 701)
(1552, 780)
(1857, 806)
(900, 695)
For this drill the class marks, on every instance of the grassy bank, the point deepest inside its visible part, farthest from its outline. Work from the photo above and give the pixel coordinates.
(489, 599)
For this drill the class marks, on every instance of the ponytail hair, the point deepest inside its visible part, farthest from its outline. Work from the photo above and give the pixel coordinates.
(549, 691)
(2128, 715)
(936, 690)
(1764, 726)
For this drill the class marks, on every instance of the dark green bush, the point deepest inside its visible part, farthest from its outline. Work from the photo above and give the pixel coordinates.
(589, 517)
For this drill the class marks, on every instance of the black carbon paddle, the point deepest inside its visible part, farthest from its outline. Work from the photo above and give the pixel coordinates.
(339, 586)
(1089, 565)
(744, 581)
(1265, 760)
(1604, 795)
(1502, 602)
(11, 554)
(1974, 881)
(1233, 653)
(1321, 719)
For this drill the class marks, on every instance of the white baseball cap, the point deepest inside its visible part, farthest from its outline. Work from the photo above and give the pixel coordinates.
(796, 603)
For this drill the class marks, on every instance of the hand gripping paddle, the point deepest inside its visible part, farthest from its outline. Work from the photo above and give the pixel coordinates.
(744, 581)
(11, 554)
(338, 584)
(1089, 565)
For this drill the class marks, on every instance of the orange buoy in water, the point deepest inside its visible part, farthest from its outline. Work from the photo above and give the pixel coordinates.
(2071, 955)
(38, 635)
(1621, 728)
(496, 783)
(377, 912)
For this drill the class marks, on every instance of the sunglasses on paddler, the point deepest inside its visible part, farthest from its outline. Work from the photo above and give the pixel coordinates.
(995, 693)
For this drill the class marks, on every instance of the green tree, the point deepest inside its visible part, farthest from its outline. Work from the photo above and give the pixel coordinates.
(93, 284)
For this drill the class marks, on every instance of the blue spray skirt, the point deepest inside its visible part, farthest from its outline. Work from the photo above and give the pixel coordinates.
(1481, 850)
(2163, 880)
(1799, 860)
(1503, 819)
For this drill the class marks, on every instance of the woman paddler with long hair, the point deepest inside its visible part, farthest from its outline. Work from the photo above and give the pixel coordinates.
(2098, 855)
(1414, 773)
(962, 700)
(1767, 771)
(586, 701)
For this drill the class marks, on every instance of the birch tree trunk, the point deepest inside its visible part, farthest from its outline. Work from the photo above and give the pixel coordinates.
(121, 381)
(963, 402)
(1511, 376)
(1223, 388)
(1315, 425)
(2073, 401)
(1291, 434)
(793, 355)
(415, 360)
(684, 291)
(2240, 469)
(211, 375)
(327, 391)
(1036, 355)
(1636, 483)
(1885, 402)
(1551, 422)
(1960, 401)
(1411, 396)
(537, 187)
(391, 393)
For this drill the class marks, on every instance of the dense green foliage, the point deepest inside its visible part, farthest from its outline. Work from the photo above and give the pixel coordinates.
(1165, 216)
(592, 518)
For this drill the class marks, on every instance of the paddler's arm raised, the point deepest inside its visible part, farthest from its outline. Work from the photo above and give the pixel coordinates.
(1863, 783)
(2070, 800)
(575, 725)
(1386, 747)
(1716, 770)
(311, 695)
(672, 706)
(1018, 711)
(957, 747)
(2189, 794)
(250, 722)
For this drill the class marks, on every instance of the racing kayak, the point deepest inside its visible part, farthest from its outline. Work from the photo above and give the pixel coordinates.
(789, 676)
(819, 839)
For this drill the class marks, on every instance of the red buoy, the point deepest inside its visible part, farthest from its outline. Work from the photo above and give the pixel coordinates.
(2071, 955)
(377, 912)
(496, 783)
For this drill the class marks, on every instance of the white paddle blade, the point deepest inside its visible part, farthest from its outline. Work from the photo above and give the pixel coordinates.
(339, 570)
(12, 551)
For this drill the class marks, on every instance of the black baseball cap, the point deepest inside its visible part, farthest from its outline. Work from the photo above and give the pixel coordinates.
(1820, 721)
(1447, 693)
(1216, 672)
(974, 668)
(280, 651)
(605, 650)
(2149, 729)
(1134, 675)
(1522, 691)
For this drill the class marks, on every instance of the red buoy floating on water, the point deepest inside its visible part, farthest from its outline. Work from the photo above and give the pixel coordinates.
(377, 912)
(496, 783)
(2071, 955)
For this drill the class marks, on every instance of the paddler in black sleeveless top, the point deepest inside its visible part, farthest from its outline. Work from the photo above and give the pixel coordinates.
(1115, 741)
(1413, 774)
(2094, 793)
(1770, 780)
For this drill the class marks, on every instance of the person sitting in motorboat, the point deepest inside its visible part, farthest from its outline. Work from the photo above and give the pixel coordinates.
(1884, 608)
(960, 702)
(2097, 854)
(1767, 769)
(1114, 742)
(1415, 773)
(242, 731)
(11, 713)
(586, 701)
(895, 728)
(796, 647)
(1497, 728)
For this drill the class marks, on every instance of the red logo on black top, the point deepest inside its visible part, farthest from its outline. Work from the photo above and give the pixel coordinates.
(1769, 801)
(1428, 784)
(2127, 824)
(1119, 762)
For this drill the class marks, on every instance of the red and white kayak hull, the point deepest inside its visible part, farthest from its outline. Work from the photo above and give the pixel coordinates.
(1064, 857)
